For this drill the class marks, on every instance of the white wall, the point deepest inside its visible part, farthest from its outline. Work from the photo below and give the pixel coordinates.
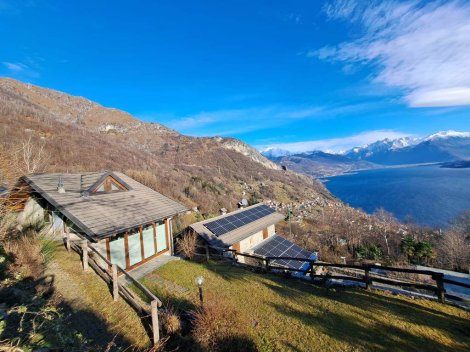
(248, 243)
(271, 230)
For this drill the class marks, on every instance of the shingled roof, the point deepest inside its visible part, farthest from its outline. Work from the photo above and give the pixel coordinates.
(102, 215)
(239, 233)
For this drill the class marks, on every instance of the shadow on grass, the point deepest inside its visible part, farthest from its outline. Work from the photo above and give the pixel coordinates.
(378, 337)
(367, 305)
(68, 330)
(456, 327)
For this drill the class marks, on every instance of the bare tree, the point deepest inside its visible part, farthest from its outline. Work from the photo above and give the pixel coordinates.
(387, 222)
(454, 250)
(32, 156)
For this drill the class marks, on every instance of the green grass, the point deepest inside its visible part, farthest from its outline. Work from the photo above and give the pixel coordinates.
(288, 315)
(91, 304)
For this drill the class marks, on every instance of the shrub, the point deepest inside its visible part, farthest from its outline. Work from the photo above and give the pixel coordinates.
(187, 245)
(218, 327)
(171, 322)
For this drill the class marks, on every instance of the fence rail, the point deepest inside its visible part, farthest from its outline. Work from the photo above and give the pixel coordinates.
(110, 274)
(359, 273)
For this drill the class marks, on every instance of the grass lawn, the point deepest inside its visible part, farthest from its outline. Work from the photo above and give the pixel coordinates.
(93, 311)
(288, 315)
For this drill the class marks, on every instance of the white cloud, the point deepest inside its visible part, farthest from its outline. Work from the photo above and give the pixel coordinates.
(237, 121)
(20, 70)
(15, 67)
(422, 48)
(337, 145)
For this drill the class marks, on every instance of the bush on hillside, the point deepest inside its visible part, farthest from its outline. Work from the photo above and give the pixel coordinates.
(218, 327)
(187, 245)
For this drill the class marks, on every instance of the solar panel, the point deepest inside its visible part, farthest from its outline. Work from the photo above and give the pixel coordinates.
(234, 221)
(278, 246)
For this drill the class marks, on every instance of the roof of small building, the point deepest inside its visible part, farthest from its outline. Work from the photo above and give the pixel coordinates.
(240, 233)
(101, 215)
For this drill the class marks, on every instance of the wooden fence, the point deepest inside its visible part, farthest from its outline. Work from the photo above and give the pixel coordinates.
(110, 274)
(366, 273)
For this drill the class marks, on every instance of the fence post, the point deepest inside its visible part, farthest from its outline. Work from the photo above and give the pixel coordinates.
(115, 282)
(67, 241)
(441, 292)
(312, 271)
(267, 265)
(155, 327)
(207, 253)
(366, 276)
(85, 254)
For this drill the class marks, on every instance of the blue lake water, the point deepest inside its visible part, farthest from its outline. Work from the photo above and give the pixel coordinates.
(429, 194)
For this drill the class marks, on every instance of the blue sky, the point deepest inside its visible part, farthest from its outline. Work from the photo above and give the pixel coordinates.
(293, 74)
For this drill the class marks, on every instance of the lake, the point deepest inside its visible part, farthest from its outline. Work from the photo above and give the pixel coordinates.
(429, 194)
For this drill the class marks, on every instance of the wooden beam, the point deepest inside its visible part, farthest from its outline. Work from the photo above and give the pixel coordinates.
(155, 236)
(167, 233)
(141, 242)
(108, 251)
(265, 233)
(84, 246)
(115, 283)
(126, 249)
(155, 325)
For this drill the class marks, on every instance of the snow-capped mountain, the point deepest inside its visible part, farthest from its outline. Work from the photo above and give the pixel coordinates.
(438, 147)
(387, 144)
(272, 152)
(442, 146)
(447, 134)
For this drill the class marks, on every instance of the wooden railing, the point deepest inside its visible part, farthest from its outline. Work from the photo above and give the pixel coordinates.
(359, 273)
(110, 274)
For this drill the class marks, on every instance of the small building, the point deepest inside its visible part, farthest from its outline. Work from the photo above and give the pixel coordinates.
(252, 230)
(129, 223)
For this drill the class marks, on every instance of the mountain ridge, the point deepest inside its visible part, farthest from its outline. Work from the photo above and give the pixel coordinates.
(206, 173)
(442, 146)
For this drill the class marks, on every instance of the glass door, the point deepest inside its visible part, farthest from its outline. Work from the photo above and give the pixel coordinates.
(149, 241)
(161, 237)
(117, 251)
(135, 251)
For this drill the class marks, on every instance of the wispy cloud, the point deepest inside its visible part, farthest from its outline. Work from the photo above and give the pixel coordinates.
(420, 47)
(337, 145)
(18, 69)
(238, 121)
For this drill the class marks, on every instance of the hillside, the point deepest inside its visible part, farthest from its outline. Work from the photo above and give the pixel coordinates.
(208, 173)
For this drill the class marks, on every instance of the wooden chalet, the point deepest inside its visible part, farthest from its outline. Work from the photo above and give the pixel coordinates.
(128, 222)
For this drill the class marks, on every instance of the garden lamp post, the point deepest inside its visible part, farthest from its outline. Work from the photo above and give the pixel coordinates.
(199, 283)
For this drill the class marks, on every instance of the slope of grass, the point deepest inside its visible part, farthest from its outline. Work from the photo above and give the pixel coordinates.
(91, 304)
(288, 315)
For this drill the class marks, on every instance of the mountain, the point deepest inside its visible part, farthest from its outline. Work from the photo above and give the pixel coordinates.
(444, 146)
(273, 153)
(439, 147)
(319, 164)
(80, 135)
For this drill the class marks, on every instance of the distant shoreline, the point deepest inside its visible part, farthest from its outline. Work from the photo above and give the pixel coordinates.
(380, 167)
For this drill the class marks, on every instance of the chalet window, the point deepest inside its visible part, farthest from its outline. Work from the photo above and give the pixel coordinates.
(161, 237)
(135, 254)
(149, 243)
(117, 251)
(109, 185)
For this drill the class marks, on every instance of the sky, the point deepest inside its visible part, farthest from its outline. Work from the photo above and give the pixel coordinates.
(297, 75)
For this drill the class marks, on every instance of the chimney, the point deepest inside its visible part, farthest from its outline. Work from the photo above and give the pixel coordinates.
(60, 185)
(223, 211)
